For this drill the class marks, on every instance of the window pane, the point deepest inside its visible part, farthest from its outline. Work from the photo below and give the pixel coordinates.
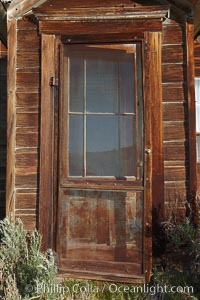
(198, 148)
(76, 82)
(76, 146)
(102, 85)
(127, 149)
(110, 146)
(126, 83)
(102, 146)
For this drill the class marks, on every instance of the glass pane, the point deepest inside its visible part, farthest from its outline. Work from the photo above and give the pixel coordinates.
(102, 84)
(126, 83)
(75, 145)
(111, 144)
(127, 146)
(198, 148)
(102, 225)
(102, 146)
(76, 82)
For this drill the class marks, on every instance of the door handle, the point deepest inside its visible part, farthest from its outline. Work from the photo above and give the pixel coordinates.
(148, 230)
(148, 151)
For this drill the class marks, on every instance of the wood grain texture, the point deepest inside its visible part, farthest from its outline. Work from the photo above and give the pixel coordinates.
(174, 111)
(191, 119)
(175, 173)
(134, 27)
(27, 99)
(27, 108)
(153, 91)
(26, 199)
(27, 157)
(174, 151)
(11, 118)
(174, 131)
(169, 38)
(173, 73)
(173, 54)
(174, 92)
(3, 126)
(47, 141)
(28, 39)
(27, 117)
(197, 58)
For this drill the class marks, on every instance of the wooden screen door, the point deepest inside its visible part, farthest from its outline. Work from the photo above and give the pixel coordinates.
(101, 185)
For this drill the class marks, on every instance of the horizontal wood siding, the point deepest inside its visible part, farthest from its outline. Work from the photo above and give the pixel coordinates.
(27, 123)
(197, 57)
(3, 123)
(197, 74)
(175, 114)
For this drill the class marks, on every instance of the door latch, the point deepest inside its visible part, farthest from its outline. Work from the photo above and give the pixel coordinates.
(53, 81)
(148, 230)
(148, 151)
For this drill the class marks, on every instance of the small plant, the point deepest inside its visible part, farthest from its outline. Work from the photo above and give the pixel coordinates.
(22, 264)
(180, 263)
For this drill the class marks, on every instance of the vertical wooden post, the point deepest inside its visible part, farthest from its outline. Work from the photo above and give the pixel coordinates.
(191, 120)
(11, 118)
(154, 189)
(47, 141)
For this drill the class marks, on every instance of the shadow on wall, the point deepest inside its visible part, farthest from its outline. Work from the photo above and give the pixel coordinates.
(3, 125)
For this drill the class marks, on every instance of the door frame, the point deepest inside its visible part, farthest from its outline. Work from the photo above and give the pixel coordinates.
(153, 148)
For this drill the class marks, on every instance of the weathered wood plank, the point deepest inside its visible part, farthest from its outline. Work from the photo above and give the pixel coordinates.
(27, 99)
(173, 54)
(47, 141)
(132, 27)
(27, 177)
(175, 151)
(28, 40)
(169, 36)
(27, 117)
(51, 5)
(174, 111)
(173, 73)
(174, 131)
(191, 120)
(26, 137)
(25, 60)
(153, 118)
(175, 173)
(174, 92)
(26, 199)
(27, 158)
(30, 78)
(25, 24)
(11, 118)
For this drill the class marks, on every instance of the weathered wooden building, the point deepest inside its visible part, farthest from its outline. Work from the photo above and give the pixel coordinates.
(100, 127)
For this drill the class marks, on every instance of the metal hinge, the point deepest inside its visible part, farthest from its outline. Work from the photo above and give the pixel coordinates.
(53, 81)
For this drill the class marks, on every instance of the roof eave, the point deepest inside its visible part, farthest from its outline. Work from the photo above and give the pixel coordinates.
(19, 8)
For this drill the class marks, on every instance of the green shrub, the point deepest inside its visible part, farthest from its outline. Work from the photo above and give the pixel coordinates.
(22, 263)
(181, 261)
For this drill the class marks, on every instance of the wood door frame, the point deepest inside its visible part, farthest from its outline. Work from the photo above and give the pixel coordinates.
(152, 94)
